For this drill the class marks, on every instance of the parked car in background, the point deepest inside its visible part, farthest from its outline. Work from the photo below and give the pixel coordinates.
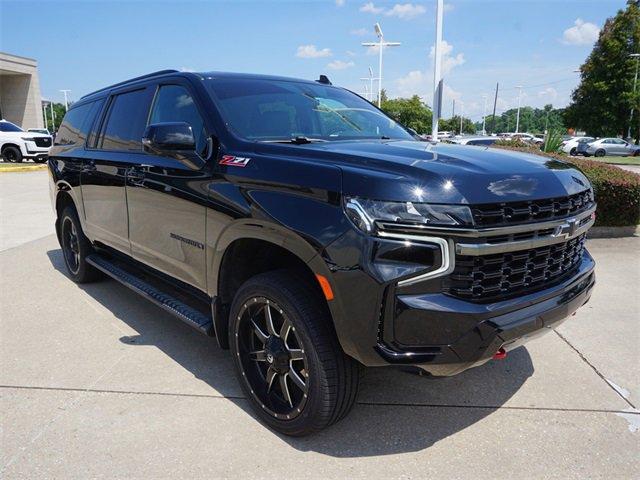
(44, 131)
(476, 140)
(611, 146)
(17, 145)
(570, 145)
(526, 137)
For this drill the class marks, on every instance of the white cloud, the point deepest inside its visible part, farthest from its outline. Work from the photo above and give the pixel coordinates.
(405, 11)
(549, 94)
(310, 51)
(582, 33)
(340, 65)
(340, 3)
(414, 83)
(350, 53)
(359, 32)
(371, 8)
(449, 62)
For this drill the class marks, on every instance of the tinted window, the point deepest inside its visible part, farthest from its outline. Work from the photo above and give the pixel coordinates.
(258, 109)
(73, 130)
(174, 104)
(9, 127)
(126, 121)
(482, 141)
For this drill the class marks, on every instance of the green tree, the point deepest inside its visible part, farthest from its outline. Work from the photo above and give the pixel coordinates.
(58, 114)
(532, 120)
(602, 102)
(453, 125)
(410, 112)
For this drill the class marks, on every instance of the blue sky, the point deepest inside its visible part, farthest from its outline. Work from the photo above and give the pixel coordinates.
(85, 45)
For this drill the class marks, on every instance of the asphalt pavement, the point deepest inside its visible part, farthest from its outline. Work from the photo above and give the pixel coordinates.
(97, 382)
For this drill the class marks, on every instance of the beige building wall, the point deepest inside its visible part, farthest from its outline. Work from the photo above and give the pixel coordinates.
(20, 100)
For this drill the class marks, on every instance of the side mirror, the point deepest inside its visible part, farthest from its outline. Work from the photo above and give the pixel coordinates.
(175, 140)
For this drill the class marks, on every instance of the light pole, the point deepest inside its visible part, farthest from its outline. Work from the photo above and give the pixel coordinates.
(484, 114)
(635, 82)
(437, 62)
(519, 87)
(66, 102)
(461, 115)
(380, 44)
(371, 79)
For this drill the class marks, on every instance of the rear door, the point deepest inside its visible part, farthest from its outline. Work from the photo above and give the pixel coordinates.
(167, 200)
(114, 147)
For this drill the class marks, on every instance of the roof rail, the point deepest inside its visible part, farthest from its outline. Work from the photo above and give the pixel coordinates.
(142, 77)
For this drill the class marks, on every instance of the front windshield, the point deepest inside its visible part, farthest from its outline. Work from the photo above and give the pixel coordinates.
(273, 110)
(9, 127)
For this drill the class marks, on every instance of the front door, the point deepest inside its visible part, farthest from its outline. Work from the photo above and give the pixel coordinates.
(167, 200)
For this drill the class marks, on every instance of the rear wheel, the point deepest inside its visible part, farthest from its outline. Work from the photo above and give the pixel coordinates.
(75, 248)
(287, 357)
(600, 153)
(12, 154)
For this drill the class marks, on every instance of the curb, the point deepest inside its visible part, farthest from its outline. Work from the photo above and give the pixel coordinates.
(614, 232)
(23, 168)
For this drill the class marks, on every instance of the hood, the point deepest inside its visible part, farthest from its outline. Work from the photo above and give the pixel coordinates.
(443, 173)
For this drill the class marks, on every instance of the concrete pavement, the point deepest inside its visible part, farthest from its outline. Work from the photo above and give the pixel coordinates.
(97, 382)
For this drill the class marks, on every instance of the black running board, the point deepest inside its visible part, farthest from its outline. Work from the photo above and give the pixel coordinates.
(171, 304)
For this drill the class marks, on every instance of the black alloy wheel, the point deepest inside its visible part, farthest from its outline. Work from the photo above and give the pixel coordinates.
(287, 357)
(70, 245)
(76, 247)
(272, 357)
(12, 154)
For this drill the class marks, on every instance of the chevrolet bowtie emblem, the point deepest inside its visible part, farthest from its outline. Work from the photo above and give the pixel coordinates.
(567, 229)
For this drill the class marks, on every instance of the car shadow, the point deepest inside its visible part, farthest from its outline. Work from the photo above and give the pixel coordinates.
(396, 412)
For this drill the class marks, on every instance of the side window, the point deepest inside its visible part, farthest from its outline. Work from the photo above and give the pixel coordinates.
(74, 126)
(173, 103)
(125, 122)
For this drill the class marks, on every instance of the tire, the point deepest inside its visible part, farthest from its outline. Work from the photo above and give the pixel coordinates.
(75, 248)
(12, 154)
(263, 355)
(600, 153)
(636, 153)
(573, 151)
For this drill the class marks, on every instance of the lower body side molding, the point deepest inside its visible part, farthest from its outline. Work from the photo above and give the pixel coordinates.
(164, 300)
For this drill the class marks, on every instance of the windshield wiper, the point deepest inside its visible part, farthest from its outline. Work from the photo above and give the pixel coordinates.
(299, 140)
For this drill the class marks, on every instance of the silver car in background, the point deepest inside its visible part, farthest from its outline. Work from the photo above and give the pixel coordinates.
(611, 146)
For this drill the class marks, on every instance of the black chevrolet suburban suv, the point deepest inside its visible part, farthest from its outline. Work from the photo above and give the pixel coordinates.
(311, 234)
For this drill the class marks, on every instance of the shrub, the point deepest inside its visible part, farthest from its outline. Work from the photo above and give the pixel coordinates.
(617, 191)
(552, 142)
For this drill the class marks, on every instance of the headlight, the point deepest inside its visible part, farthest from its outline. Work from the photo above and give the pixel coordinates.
(365, 213)
(28, 139)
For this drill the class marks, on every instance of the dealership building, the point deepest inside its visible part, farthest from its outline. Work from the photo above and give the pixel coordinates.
(20, 100)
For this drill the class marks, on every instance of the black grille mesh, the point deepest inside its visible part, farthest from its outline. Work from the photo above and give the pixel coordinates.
(500, 214)
(504, 274)
(43, 141)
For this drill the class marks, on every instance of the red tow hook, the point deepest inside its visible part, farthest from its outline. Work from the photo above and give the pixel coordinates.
(501, 354)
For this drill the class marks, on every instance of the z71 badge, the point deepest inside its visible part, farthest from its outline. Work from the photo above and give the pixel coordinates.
(234, 161)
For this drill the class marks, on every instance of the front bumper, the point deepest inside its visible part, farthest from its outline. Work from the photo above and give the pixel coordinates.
(506, 324)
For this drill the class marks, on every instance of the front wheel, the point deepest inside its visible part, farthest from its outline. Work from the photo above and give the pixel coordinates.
(12, 154)
(287, 357)
(600, 153)
(573, 151)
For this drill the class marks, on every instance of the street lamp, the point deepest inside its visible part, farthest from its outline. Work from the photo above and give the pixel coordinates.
(635, 81)
(437, 62)
(484, 114)
(519, 87)
(380, 44)
(371, 79)
(66, 103)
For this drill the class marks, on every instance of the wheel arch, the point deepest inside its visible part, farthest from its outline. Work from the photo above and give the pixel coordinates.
(248, 248)
(65, 195)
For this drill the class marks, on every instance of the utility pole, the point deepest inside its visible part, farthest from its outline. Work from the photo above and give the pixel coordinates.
(66, 102)
(380, 44)
(437, 63)
(519, 87)
(495, 102)
(453, 109)
(461, 116)
(484, 114)
(635, 82)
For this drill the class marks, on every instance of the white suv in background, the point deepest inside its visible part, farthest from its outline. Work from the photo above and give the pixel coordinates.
(17, 145)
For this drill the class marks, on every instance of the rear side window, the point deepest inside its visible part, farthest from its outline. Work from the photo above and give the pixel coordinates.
(126, 121)
(173, 103)
(75, 125)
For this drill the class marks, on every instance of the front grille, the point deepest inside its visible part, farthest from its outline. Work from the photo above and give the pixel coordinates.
(505, 274)
(501, 214)
(43, 142)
